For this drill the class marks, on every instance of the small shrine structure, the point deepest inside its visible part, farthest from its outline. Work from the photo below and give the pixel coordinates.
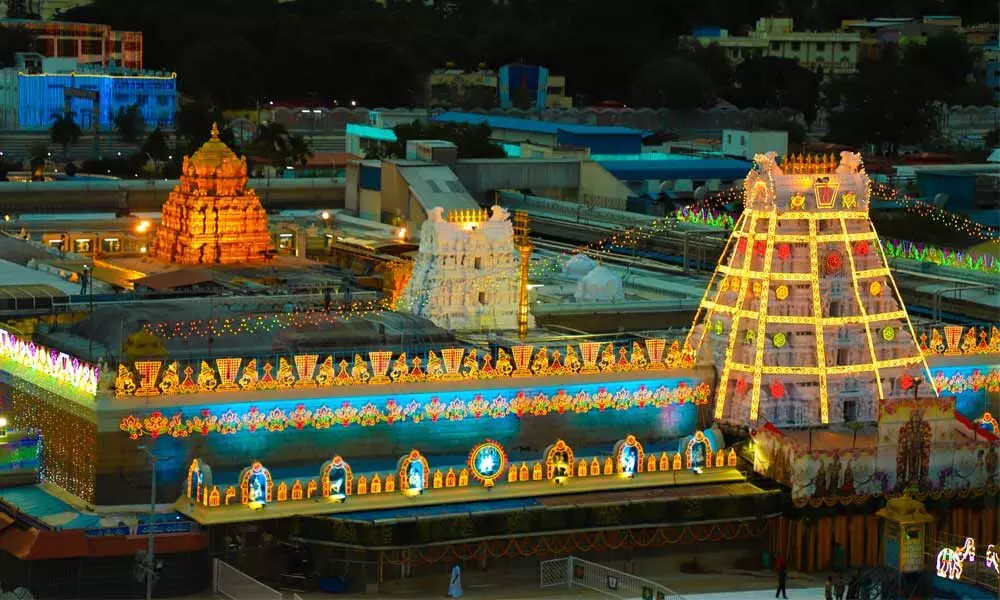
(466, 274)
(211, 216)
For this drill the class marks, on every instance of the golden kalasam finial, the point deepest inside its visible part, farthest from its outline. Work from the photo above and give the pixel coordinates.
(215, 130)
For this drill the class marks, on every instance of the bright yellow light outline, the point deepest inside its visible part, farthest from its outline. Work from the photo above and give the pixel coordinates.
(772, 224)
(817, 310)
(861, 307)
(723, 385)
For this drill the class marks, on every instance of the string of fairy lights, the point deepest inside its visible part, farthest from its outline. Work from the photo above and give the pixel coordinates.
(713, 211)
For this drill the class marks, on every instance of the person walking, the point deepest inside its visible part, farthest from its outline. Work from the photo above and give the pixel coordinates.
(828, 588)
(455, 585)
(779, 565)
(840, 587)
(326, 299)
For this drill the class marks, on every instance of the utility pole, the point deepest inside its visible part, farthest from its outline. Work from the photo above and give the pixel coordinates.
(150, 563)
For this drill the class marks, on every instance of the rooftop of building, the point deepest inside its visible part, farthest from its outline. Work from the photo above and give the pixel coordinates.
(534, 126)
(204, 327)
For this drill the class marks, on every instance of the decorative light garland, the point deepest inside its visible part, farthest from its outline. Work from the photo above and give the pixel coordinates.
(520, 405)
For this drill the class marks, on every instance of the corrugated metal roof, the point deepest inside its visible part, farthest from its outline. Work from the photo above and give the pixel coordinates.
(436, 185)
(533, 126)
(13, 273)
(171, 280)
(695, 168)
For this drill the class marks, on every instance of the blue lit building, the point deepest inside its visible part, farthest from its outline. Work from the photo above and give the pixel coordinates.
(33, 97)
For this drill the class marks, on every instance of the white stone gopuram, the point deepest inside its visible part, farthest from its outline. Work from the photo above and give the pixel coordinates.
(466, 274)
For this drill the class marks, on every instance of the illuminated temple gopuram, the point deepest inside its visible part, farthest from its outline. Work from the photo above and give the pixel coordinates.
(211, 216)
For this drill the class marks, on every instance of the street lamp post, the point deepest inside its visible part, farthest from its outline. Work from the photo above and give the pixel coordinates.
(150, 564)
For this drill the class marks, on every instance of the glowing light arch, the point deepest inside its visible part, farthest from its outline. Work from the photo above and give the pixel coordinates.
(404, 468)
(324, 475)
(560, 447)
(256, 467)
(629, 442)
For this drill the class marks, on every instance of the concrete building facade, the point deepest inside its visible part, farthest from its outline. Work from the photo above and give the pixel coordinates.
(88, 43)
(831, 53)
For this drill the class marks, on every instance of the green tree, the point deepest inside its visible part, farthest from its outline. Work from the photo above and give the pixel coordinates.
(274, 143)
(130, 123)
(947, 66)
(673, 82)
(19, 9)
(12, 41)
(472, 141)
(155, 146)
(992, 138)
(771, 82)
(883, 105)
(65, 132)
(193, 124)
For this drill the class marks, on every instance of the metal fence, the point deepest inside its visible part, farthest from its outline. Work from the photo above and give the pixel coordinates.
(572, 572)
(230, 582)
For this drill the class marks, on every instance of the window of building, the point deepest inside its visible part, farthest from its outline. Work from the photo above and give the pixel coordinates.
(820, 46)
(842, 357)
(835, 308)
(67, 47)
(850, 411)
(82, 246)
(775, 46)
(91, 47)
(844, 46)
(111, 245)
(729, 138)
(478, 263)
(482, 297)
(796, 46)
(57, 244)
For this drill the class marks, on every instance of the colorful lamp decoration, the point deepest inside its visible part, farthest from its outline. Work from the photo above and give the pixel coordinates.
(414, 473)
(487, 462)
(629, 457)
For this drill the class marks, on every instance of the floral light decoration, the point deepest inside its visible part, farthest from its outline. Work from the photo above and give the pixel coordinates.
(777, 389)
(259, 421)
(781, 292)
(888, 333)
(875, 288)
(834, 262)
(779, 339)
(784, 251)
(861, 248)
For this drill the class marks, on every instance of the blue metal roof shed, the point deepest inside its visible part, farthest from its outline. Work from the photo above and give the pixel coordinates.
(695, 168)
(600, 139)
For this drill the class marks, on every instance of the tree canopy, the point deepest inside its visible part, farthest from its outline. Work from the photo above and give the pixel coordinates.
(65, 131)
(130, 123)
(472, 141)
(237, 53)
(886, 104)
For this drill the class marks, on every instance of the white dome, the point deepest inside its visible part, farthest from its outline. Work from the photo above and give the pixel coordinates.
(579, 265)
(600, 285)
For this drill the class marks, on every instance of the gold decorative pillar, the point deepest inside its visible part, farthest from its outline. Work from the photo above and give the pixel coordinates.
(524, 248)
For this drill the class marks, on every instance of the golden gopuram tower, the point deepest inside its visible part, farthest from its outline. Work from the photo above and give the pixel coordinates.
(211, 216)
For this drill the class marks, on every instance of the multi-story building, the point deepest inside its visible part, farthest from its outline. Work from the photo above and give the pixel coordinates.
(829, 53)
(88, 43)
(513, 85)
(37, 89)
(470, 89)
(46, 9)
